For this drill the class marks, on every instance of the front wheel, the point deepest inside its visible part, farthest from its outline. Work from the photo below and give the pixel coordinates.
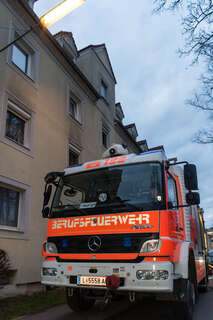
(203, 285)
(77, 299)
(185, 308)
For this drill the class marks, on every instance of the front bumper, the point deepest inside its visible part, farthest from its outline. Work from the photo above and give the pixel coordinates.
(126, 271)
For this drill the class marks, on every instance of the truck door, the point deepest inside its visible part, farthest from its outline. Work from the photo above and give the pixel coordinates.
(175, 217)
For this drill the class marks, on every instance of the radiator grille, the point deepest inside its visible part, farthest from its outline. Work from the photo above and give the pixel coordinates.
(110, 243)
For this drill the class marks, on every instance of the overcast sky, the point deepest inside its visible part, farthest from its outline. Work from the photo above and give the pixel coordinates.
(152, 81)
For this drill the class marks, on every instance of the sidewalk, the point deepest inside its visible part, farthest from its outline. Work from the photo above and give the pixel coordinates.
(99, 312)
(63, 312)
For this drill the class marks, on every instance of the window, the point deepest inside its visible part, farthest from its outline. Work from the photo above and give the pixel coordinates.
(104, 139)
(17, 124)
(103, 90)
(9, 207)
(105, 135)
(15, 127)
(73, 157)
(14, 208)
(74, 108)
(172, 191)
(127, 187)
(73, 154)
(22, 56)
(21, 59)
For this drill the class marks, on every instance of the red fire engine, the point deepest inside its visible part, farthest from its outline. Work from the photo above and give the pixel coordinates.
(125, 225)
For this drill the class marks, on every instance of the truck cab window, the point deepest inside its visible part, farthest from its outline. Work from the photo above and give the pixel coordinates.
(112, 189)
(172, 190)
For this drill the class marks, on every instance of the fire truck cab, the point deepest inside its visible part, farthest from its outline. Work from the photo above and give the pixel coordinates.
(125, 225)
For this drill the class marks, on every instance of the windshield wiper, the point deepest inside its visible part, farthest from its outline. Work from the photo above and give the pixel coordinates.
(125, 203)
(68, 206)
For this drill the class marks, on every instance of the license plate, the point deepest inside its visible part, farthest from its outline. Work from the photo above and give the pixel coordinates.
(91, 281)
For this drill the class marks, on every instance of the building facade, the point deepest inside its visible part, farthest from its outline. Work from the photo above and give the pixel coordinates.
(210, 238)
(57, 108)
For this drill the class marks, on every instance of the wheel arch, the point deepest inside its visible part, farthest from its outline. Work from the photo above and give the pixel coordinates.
(186, 258)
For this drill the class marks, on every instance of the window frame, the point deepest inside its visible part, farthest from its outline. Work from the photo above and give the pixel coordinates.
(71, 96)
(75, 113)
(27, 56)
(22, 229)
(16, 107)
(104, 89)
(11, 111)
(106, 131)
(24, 45)
(104, 139)
(75, 150)
(2, 226)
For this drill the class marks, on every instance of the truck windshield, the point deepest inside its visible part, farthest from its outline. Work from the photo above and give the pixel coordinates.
(112, 189)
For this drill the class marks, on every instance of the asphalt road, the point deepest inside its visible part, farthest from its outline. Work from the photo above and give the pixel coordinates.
(123, 310)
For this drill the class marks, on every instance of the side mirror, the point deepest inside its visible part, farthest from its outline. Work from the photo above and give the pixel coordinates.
(52, 176)
(45, 212)
(47, 195)
(70, 192)
(190, 177)
(193, 198)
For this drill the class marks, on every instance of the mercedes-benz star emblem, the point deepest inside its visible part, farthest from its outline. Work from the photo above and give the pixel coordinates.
(94, 243)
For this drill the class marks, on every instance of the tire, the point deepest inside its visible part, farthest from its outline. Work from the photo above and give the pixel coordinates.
(184, 309)
(79, 301)
(203, 285)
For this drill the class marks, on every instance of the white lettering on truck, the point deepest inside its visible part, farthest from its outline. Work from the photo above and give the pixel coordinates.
(131, 219)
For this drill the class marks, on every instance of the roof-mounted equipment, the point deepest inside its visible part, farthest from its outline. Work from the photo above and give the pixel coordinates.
(115, 150)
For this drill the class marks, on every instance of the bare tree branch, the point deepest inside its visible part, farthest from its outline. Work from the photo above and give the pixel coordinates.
(166, 5)
(197, 24)
(204, 137)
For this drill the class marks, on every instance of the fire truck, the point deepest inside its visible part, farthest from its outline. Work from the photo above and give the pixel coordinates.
(128, 224)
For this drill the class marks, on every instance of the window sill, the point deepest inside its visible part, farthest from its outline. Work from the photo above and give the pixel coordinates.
(20, 70)
(13, 233)
(8, 228)
(105, 101)
(17, 146)
(23, 74)
(74, 119)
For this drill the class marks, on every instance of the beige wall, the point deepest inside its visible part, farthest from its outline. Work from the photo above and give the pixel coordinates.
(94, 63)
(52, 128)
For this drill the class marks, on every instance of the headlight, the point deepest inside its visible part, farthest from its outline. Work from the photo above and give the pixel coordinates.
(145, 275)
(49, 271)
(50, 247)
(151, 246)
(152, 275)
(161, 275)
